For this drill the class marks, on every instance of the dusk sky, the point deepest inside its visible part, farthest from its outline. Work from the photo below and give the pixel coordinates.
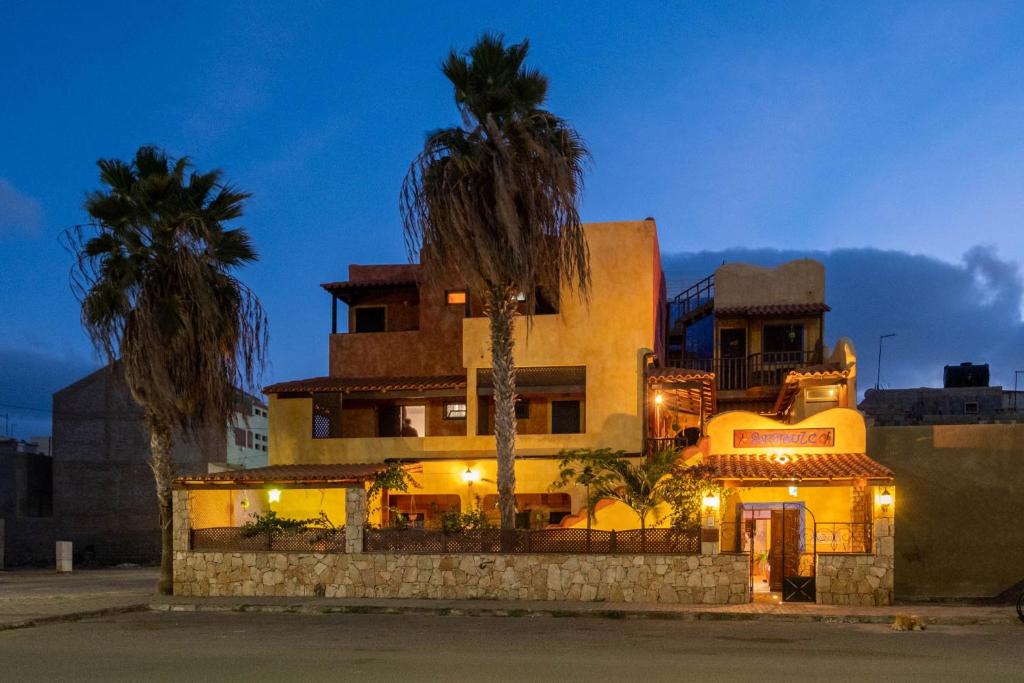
(886, 139)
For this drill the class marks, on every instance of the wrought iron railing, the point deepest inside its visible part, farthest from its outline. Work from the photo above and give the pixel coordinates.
(756, 370)
(659, 541)
(843, 537)
(692, 301)
(233, 539)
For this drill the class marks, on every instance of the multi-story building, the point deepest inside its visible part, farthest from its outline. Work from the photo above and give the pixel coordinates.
(734, 373)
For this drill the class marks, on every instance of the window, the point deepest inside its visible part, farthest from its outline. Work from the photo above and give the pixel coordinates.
(971, 407)
(820, 394)
(783, 338)
(326, 416)
(456, 297)
(565, 417)
(370, 319)
(454, 411)
(522, 409)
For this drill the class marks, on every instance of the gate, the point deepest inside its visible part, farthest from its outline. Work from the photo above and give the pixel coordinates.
(798, 576)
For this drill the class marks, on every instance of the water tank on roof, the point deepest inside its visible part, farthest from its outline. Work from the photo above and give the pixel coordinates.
(965, 375)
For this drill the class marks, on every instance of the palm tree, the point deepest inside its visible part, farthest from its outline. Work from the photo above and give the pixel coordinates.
(494, 202)
(612, 475)
(155, 276)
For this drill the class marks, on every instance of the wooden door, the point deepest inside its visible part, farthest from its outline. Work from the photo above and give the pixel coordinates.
(784, 552)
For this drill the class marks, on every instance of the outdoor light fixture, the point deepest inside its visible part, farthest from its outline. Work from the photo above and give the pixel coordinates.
(781, 459)
(793, 491)
(274, 495)
(885, 500)
(658, 398)
(711, 501)
(470, 476)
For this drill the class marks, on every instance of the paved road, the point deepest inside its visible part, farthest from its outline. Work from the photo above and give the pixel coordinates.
(282, 647)
(34, 594)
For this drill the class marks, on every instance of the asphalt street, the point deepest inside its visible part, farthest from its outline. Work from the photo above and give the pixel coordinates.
(283, 647)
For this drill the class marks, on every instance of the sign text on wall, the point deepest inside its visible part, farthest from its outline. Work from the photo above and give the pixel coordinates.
(784, 438)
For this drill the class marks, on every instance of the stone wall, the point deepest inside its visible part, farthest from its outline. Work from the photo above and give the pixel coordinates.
(684, 579)
(859, 579)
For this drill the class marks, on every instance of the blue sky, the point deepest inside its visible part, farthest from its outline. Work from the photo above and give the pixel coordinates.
(891, 132)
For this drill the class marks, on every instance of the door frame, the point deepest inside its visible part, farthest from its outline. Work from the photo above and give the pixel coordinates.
(796, 588)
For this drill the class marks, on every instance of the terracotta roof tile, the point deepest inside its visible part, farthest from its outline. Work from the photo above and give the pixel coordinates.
(347, 384)
(767, 466)
(656, 375)
(821, 371)
(777, 310)
(285, 474)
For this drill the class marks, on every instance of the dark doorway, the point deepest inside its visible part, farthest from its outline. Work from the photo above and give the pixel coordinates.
(732, 343)
(565, 417)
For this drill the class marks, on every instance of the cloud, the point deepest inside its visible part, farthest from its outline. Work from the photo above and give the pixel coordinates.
(942, 313)
(19, 213)
(28, 378)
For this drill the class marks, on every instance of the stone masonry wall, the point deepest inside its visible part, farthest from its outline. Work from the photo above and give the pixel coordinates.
(859, 579)
(684, 579)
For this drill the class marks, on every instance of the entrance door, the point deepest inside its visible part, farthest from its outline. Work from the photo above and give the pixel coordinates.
(732, 342)
(784, 552)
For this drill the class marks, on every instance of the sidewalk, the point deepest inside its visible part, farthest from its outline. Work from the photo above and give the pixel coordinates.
(930, 613)
(32, 597)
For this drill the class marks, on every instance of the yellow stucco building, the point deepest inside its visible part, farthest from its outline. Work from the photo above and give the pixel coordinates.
(732, 373)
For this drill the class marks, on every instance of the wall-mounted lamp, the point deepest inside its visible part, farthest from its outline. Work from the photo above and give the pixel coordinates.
(711, 501)
(274, 495)
(794, 491)
(658, 398)
(885, 500)
(470, 476)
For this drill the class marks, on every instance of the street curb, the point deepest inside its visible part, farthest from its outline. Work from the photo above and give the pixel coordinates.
(73, 616)
(663, 615)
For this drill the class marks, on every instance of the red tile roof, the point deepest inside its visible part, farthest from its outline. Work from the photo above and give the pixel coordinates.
(804, 466)
(822, 371)
(776, 310)
(290, 474)
(658, 375)
(348, 384)
(362, 277)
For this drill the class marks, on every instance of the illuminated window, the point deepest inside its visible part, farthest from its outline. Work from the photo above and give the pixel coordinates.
(820, 394)
(454, 411)
(456, 297)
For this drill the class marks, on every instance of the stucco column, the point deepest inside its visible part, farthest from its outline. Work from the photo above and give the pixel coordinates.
(710, 540)
(355, 518)
(884, 531)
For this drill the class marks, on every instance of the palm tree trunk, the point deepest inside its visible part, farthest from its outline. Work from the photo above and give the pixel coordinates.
(501, 311)
(162, 464)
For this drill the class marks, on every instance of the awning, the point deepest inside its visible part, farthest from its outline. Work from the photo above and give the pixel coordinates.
(791, 385)
(549, 380)
(362, 278)
(690, 391)
(367, 384)
(796, 467)
(773, 310)
(285, 475)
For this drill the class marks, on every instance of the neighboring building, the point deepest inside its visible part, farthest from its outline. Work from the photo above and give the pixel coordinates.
(104, 500)
(957, 451)
(44, 444)
(247, 437)
(26, 505)
(733, 373)
(965, 398)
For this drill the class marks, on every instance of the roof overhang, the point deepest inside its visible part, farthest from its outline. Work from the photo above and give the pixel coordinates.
(809, 468)
(286, 476)
(443, 385)
(691, 391)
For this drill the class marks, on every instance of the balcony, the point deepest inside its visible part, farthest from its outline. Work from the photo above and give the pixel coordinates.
(767, 369)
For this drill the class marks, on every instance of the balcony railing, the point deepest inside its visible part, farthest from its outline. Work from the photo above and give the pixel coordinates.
(768, 369)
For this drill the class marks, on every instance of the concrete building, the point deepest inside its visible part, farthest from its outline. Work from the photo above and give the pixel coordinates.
(26, 505)
(965, 398)
(104, 498)
(247, 436)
